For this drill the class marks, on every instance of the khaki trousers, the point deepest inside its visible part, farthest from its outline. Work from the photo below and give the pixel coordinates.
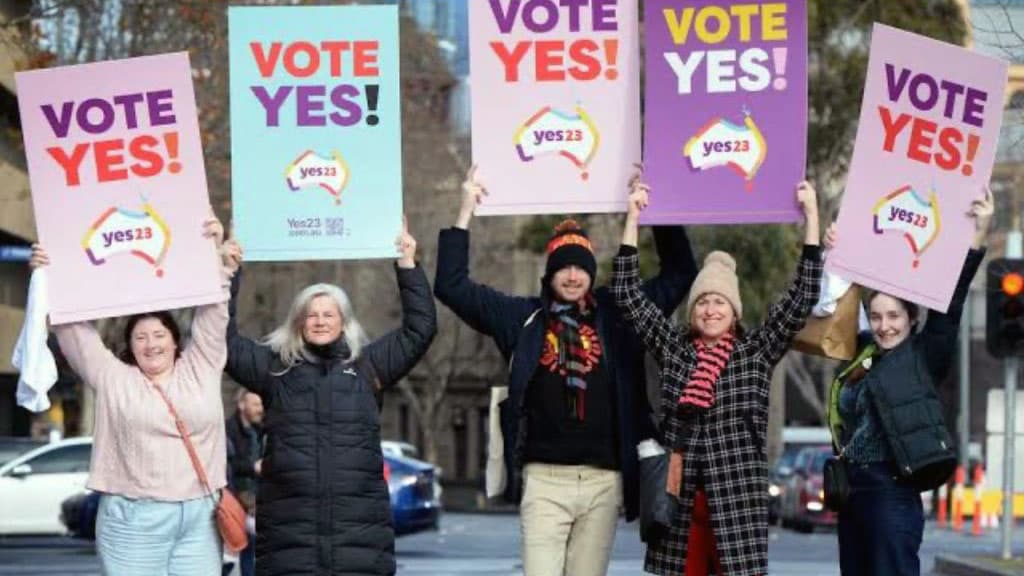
(569, 515)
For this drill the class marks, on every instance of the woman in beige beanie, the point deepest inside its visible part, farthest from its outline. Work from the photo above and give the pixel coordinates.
(714, 400)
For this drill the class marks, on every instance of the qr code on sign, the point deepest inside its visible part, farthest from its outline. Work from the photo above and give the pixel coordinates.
(335, 226)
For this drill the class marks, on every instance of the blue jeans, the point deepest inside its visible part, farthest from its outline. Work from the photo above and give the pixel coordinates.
(881, 525)
(151, 538)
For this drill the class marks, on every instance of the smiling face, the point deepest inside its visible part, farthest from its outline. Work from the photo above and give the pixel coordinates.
(890, 321)
(153, 347)
(712, 317)
(323, 322)
(570, 284)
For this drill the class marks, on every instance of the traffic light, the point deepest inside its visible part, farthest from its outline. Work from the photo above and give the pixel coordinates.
(1004, 307)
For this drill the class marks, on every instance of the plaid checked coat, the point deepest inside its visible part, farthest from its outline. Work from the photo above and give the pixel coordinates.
(728, 439)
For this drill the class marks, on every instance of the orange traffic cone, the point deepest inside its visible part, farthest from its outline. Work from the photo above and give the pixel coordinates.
(943, 504)
(979, 487)
(958, 499)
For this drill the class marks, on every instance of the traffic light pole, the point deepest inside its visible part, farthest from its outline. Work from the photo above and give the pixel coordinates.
(965, 383)
(1011, 364)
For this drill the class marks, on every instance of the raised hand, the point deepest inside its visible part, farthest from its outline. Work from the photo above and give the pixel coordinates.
(231, 254)
(212, 228)
(831, 235)
(808, 200)
(639, 194)
(406, 246)
(981, 210)
(39, 257)
(807, 197)
(472, 194)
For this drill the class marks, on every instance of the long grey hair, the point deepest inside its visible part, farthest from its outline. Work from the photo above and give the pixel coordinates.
(286, 340)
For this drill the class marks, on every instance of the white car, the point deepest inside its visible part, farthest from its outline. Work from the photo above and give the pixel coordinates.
(35, 482)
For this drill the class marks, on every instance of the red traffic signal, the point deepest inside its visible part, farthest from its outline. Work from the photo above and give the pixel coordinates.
(1004, 307)
(1012, 284)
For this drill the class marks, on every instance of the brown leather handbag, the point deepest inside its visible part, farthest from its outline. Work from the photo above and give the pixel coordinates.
(228, 512)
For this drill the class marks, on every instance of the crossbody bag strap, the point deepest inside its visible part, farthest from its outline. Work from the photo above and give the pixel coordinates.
(196, 464)
(835, 389)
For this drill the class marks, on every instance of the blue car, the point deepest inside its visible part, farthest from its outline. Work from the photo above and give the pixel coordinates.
(415, 494)
(413, 485)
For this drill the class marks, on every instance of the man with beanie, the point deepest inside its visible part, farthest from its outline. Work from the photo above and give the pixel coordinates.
(575, 408)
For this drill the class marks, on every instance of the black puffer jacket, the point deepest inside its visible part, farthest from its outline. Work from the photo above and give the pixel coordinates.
(903, 392)
(322, 503)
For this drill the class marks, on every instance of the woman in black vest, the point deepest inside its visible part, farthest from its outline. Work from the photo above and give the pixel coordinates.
(322, 504)
(887, 422)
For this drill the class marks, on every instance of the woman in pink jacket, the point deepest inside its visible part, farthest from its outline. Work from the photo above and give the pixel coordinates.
(155, 517)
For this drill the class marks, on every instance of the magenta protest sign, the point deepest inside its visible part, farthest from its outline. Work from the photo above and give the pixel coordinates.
(119, 186)
(926, 144)
(725, 125)
(556, 103)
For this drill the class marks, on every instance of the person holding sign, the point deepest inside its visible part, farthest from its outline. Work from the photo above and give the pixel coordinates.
(322, 506)
(155, 516)
(715, 379)
(887, 422)
(576, 406)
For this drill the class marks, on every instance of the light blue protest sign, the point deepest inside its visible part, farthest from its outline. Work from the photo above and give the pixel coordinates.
(316, 155)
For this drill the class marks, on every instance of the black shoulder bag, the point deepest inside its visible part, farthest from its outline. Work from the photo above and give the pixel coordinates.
(836, 482)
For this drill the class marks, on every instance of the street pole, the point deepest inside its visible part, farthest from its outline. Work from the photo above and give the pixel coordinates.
(965, 383)
(1011, 364)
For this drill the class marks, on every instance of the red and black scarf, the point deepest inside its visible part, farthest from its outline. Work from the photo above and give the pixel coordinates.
(699, 392)
(572, 349)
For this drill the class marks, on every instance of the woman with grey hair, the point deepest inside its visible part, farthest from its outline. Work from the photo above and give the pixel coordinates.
(322, 501)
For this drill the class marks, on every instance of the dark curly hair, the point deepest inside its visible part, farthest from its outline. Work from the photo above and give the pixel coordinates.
(162, 316)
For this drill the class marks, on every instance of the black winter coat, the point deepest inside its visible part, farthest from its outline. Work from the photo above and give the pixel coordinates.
(902, 391)
(517, 325)
(322, 504)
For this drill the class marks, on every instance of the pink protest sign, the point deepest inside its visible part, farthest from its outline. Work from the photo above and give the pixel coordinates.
(556, 104)
(119, 186)
(926, 143)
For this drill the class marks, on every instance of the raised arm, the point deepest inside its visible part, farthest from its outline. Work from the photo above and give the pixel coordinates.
(677, 267)
(86, 354)
(485, 309)
(248, 363)
(80, 342)
(940, 330)
(787, 316)
(208, 346)
(397, 352)
(655, 330)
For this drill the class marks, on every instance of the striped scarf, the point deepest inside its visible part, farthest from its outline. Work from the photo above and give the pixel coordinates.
(699, 392)
(573, 361)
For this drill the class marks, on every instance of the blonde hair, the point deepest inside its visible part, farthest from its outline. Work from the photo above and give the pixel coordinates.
(286, 340)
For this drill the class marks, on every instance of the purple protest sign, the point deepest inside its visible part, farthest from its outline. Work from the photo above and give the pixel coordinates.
(725, 125)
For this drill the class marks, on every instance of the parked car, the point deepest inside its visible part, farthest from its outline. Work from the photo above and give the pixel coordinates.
(803, 500)
(407, 450)
(415, 500)
(794, 439)
(415, 494)
(36, 478)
